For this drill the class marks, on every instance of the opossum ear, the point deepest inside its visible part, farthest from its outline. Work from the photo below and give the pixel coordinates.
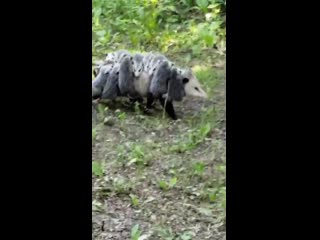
(185, 80)
(106, 72)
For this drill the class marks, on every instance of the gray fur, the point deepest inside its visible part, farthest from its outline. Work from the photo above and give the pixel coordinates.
(126, 78)
(155, 61)
(97, 66)
(138, 65)
(147, 60)
(176, 90)
(110, 90)
(159, 81)
(100, 80)
(117, 56)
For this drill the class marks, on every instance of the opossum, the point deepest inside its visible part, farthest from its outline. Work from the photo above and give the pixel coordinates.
(99, 82)
(165, 82)
(111, 88)
(117, 56)
(138, 65)
(126, 78)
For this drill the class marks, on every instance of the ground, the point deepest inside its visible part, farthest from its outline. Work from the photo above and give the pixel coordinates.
(154, 178)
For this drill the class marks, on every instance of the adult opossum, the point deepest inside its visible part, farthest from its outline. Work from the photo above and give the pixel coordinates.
(164, 82)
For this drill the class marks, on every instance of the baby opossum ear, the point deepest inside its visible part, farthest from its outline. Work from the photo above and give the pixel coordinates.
(185, 80)
(106, 72)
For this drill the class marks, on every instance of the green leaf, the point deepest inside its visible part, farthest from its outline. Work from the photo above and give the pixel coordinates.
(101, 33)
(172, 182)
(202, 3)
(122, 116)
(186, 236)
(97, 169)
(163, 185)
(199, 168)
(134, 200)
(135, 233)
(94, 133)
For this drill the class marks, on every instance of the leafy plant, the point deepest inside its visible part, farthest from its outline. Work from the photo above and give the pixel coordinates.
(167, 185)
(134, 200)
(97, 169)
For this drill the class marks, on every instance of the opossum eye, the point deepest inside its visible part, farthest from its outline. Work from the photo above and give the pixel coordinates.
(185, 80)
(154, 70)
(139, 70)
(196, 89)
(117, 73)
(132, 63)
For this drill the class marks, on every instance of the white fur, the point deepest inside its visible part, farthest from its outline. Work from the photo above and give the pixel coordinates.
(190, 87)
(142, 84)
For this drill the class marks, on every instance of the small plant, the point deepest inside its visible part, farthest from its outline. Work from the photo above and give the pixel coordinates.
(137, 155)
(122, 116)
(199, 168)
(167, 185)
(134, 200)
(135, 232)
(186, 236)
(97, 169)
(121, 185)
(94, 134)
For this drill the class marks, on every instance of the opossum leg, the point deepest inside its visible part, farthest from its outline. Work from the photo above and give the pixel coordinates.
(169, 108)
(150, 101)
(133, 100)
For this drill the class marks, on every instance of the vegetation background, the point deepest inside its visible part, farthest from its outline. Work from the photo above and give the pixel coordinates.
(153, 178)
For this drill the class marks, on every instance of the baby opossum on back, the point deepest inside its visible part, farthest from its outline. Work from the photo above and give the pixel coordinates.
(98, 85)
(138, 64)
(117, 56)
